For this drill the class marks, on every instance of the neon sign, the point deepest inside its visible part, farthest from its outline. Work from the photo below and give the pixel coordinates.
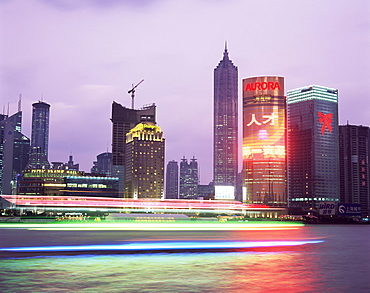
(325, 120)
(270, 85)
(269, 118)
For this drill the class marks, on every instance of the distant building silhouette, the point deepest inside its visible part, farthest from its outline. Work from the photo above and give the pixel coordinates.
(354, 156)
(103, 164)
(189, 179)
(206, 191)
(14, 151)
(123, 120)
(70, 165)
(40, 136)
(225, 123)
(144, 168)
(172, 180)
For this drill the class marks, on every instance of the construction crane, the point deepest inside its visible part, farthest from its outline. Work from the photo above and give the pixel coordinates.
(132, 92)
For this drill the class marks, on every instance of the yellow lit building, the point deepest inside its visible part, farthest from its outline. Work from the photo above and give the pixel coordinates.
(144, 173)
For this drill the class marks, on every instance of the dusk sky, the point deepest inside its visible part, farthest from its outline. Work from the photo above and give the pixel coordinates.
(80, 56)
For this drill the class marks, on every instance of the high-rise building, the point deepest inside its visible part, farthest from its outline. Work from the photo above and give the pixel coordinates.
(354, 156)
(123, 120)
(264, 134)
(103, 164)
(313, 159)
(40, 136)
(172, 180)
(14, 150)
(189, 179)
(144, 168)
(225, 124)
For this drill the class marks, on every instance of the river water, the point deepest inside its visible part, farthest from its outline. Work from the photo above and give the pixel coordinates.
(340, 263)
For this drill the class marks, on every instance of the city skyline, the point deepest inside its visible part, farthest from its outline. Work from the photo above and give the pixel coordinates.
(80, 57)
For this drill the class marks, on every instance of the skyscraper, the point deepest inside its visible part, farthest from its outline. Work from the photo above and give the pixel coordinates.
(225, 124)
(264, 132)
(144, 168)
(354, 156)
(172, 180)
(123, 120)
(313, 162)
(40, 136)
(189, 179)
(14, 151)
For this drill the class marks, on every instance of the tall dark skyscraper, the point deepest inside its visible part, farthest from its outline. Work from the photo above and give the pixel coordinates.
(313, 159)
(225, 124)
(172, 180)
(144, 168)
(264, 134)
(123, 120)
(14, 151)
(354, 156)
(40, 136)
(189, 179)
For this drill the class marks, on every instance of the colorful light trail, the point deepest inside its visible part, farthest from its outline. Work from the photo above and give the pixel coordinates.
(188, 245)
(148, 226)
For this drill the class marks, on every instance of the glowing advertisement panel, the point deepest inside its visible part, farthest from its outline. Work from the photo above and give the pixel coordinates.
(264, 129)
(224, 192)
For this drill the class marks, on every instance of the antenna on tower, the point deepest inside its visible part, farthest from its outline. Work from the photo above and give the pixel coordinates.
(132, 92)
(20, 103)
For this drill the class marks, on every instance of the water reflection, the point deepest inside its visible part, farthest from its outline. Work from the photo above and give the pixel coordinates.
(258, 269)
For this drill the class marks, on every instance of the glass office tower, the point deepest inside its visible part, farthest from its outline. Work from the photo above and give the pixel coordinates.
(40, 136)
(40, 126)
(264, 129)
(313, 160)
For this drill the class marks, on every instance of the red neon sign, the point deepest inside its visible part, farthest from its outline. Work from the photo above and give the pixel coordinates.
(325, 120)
(270, 85)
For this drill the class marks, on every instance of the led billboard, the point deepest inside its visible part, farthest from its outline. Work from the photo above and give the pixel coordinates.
(264, 132)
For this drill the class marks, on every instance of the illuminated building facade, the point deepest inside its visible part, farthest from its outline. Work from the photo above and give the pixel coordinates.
(40, 136)
(189, 179)
(264, 135)
(14, 151)
(225, 124)
(123, 120)
(354, 155)
(313, 161)
(64, 182)
(144, 172)
(172, 180)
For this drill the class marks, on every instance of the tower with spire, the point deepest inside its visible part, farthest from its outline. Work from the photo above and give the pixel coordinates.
(225, 123)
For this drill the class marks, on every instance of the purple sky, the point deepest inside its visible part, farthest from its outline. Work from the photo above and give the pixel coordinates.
(82, 55)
